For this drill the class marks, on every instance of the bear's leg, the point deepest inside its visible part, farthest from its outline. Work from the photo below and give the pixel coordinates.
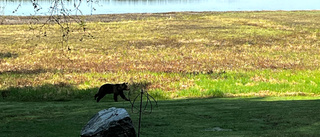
(115, 97)
(124, 97)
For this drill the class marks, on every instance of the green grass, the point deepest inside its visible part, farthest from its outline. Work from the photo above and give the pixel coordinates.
(271, 116)
(259, 83)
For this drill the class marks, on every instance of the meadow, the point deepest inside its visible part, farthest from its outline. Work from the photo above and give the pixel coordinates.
(178, 55)
(213, 73)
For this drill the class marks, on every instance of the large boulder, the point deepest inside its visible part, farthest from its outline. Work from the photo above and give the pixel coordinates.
(112, 122)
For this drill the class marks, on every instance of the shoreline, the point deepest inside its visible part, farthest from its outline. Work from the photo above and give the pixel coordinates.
(17, 20)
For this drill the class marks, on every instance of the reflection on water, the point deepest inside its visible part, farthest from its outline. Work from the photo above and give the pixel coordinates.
(26, 7)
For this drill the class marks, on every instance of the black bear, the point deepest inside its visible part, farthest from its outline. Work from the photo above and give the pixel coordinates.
(115, 89)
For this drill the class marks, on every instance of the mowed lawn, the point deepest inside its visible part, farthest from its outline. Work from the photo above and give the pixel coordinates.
(271, 116)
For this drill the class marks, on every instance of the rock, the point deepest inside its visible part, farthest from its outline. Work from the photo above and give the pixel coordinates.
(112, 122)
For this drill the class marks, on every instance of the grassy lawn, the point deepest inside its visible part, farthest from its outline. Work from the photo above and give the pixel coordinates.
(270, 116)
(250, 73)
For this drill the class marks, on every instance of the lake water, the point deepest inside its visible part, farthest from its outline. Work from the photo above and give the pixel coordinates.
(25, 7)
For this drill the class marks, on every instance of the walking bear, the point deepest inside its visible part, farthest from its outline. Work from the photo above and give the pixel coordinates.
(115, 89)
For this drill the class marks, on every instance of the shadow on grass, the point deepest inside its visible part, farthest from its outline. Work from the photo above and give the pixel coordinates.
(66, 92)
(8, 55)
(47, 92)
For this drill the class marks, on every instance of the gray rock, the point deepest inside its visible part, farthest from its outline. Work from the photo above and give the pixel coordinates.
(112, 122)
